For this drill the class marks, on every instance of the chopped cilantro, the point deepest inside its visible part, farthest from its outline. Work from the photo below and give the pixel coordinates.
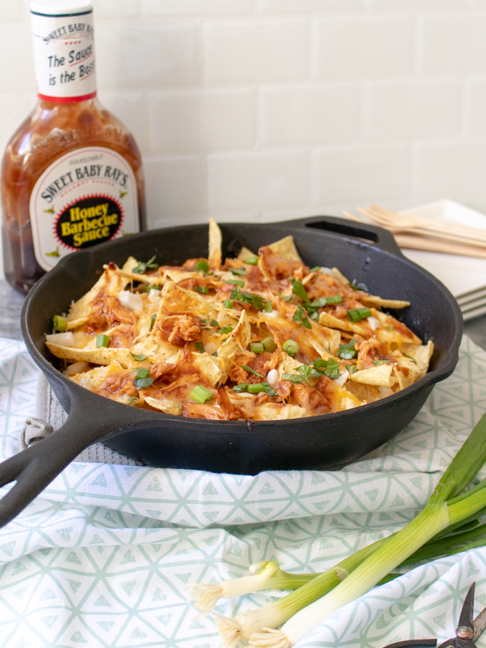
(300, 316)
(347, 351)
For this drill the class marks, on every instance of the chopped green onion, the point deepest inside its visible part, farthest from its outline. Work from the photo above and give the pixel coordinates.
(326, 301)
(200, 394)
(205, 321)
(269, 344)
(235, 294)
(215, 354)
(235, 282)
(152, 287)
(389, 327)
(102, 340)
(141, 383)
(347, 351)
(139, 358)
(141, 267)
(228, 303)
(380, 362)
(213, 323)
(257, 347)
(315, 268)
(142, 373)
(357, 314)
(238, 271)
(204, 290)
(252, 371)
(291, 347)
(59, 323)
(253, 260)
(225, 329)
(268, 308)
(201, 266)
(199, 346)
(410, 358)
(287, 298)
(257, 388)
(152, 320)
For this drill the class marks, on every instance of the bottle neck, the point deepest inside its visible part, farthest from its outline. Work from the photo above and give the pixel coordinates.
(64, 56)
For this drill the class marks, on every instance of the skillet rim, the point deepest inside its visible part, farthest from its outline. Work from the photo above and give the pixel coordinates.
(449, 361)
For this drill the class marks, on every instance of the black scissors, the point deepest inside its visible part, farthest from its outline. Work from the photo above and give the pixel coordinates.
(467, 631)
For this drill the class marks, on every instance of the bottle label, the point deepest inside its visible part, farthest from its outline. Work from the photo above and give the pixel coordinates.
(64, 56)
(85, 197)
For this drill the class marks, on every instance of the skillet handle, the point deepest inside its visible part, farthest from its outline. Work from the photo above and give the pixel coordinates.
(34, 468)
(378, 236)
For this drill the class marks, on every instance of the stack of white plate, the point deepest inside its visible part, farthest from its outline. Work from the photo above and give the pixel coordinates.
(464, 276)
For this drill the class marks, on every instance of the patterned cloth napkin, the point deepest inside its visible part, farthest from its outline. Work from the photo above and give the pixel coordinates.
(104, 556)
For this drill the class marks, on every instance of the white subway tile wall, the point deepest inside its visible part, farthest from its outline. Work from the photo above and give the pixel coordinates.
(262, 110)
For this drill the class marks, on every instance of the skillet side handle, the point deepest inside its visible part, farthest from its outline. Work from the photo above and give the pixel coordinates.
(377, 236)
(34, 468)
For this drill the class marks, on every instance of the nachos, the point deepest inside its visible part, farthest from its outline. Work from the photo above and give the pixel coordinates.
(261, 336)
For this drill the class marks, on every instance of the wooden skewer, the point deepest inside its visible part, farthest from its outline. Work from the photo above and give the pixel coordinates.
(401, 220)
(428, 244)
(398, 228)
(413, 242)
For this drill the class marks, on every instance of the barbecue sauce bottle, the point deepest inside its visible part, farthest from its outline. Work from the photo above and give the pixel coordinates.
(71, 173)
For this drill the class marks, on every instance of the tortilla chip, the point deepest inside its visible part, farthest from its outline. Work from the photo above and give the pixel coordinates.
(164, 404)
(279, 412)
(286, 249)
(178, 301)
(374, 300)
(364, 393)
(332, 340)
(93, 380)
(335, 272)
(421, 353)
(245, 253)
(325, 319)
(102, 356)
(404, 334)
(212, 368)
(379, 375)
(406, 373)
(236, 342)
(111, 282)
(215, 256)
(127, 271)
(287, 365)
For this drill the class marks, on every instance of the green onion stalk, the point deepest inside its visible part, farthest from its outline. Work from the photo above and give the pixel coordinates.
(270, 576)
(445, 507)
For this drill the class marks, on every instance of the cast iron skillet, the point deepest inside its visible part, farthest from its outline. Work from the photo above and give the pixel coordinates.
(366, 254)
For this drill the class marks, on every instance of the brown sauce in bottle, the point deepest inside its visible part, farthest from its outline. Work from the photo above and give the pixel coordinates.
(53, 129)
